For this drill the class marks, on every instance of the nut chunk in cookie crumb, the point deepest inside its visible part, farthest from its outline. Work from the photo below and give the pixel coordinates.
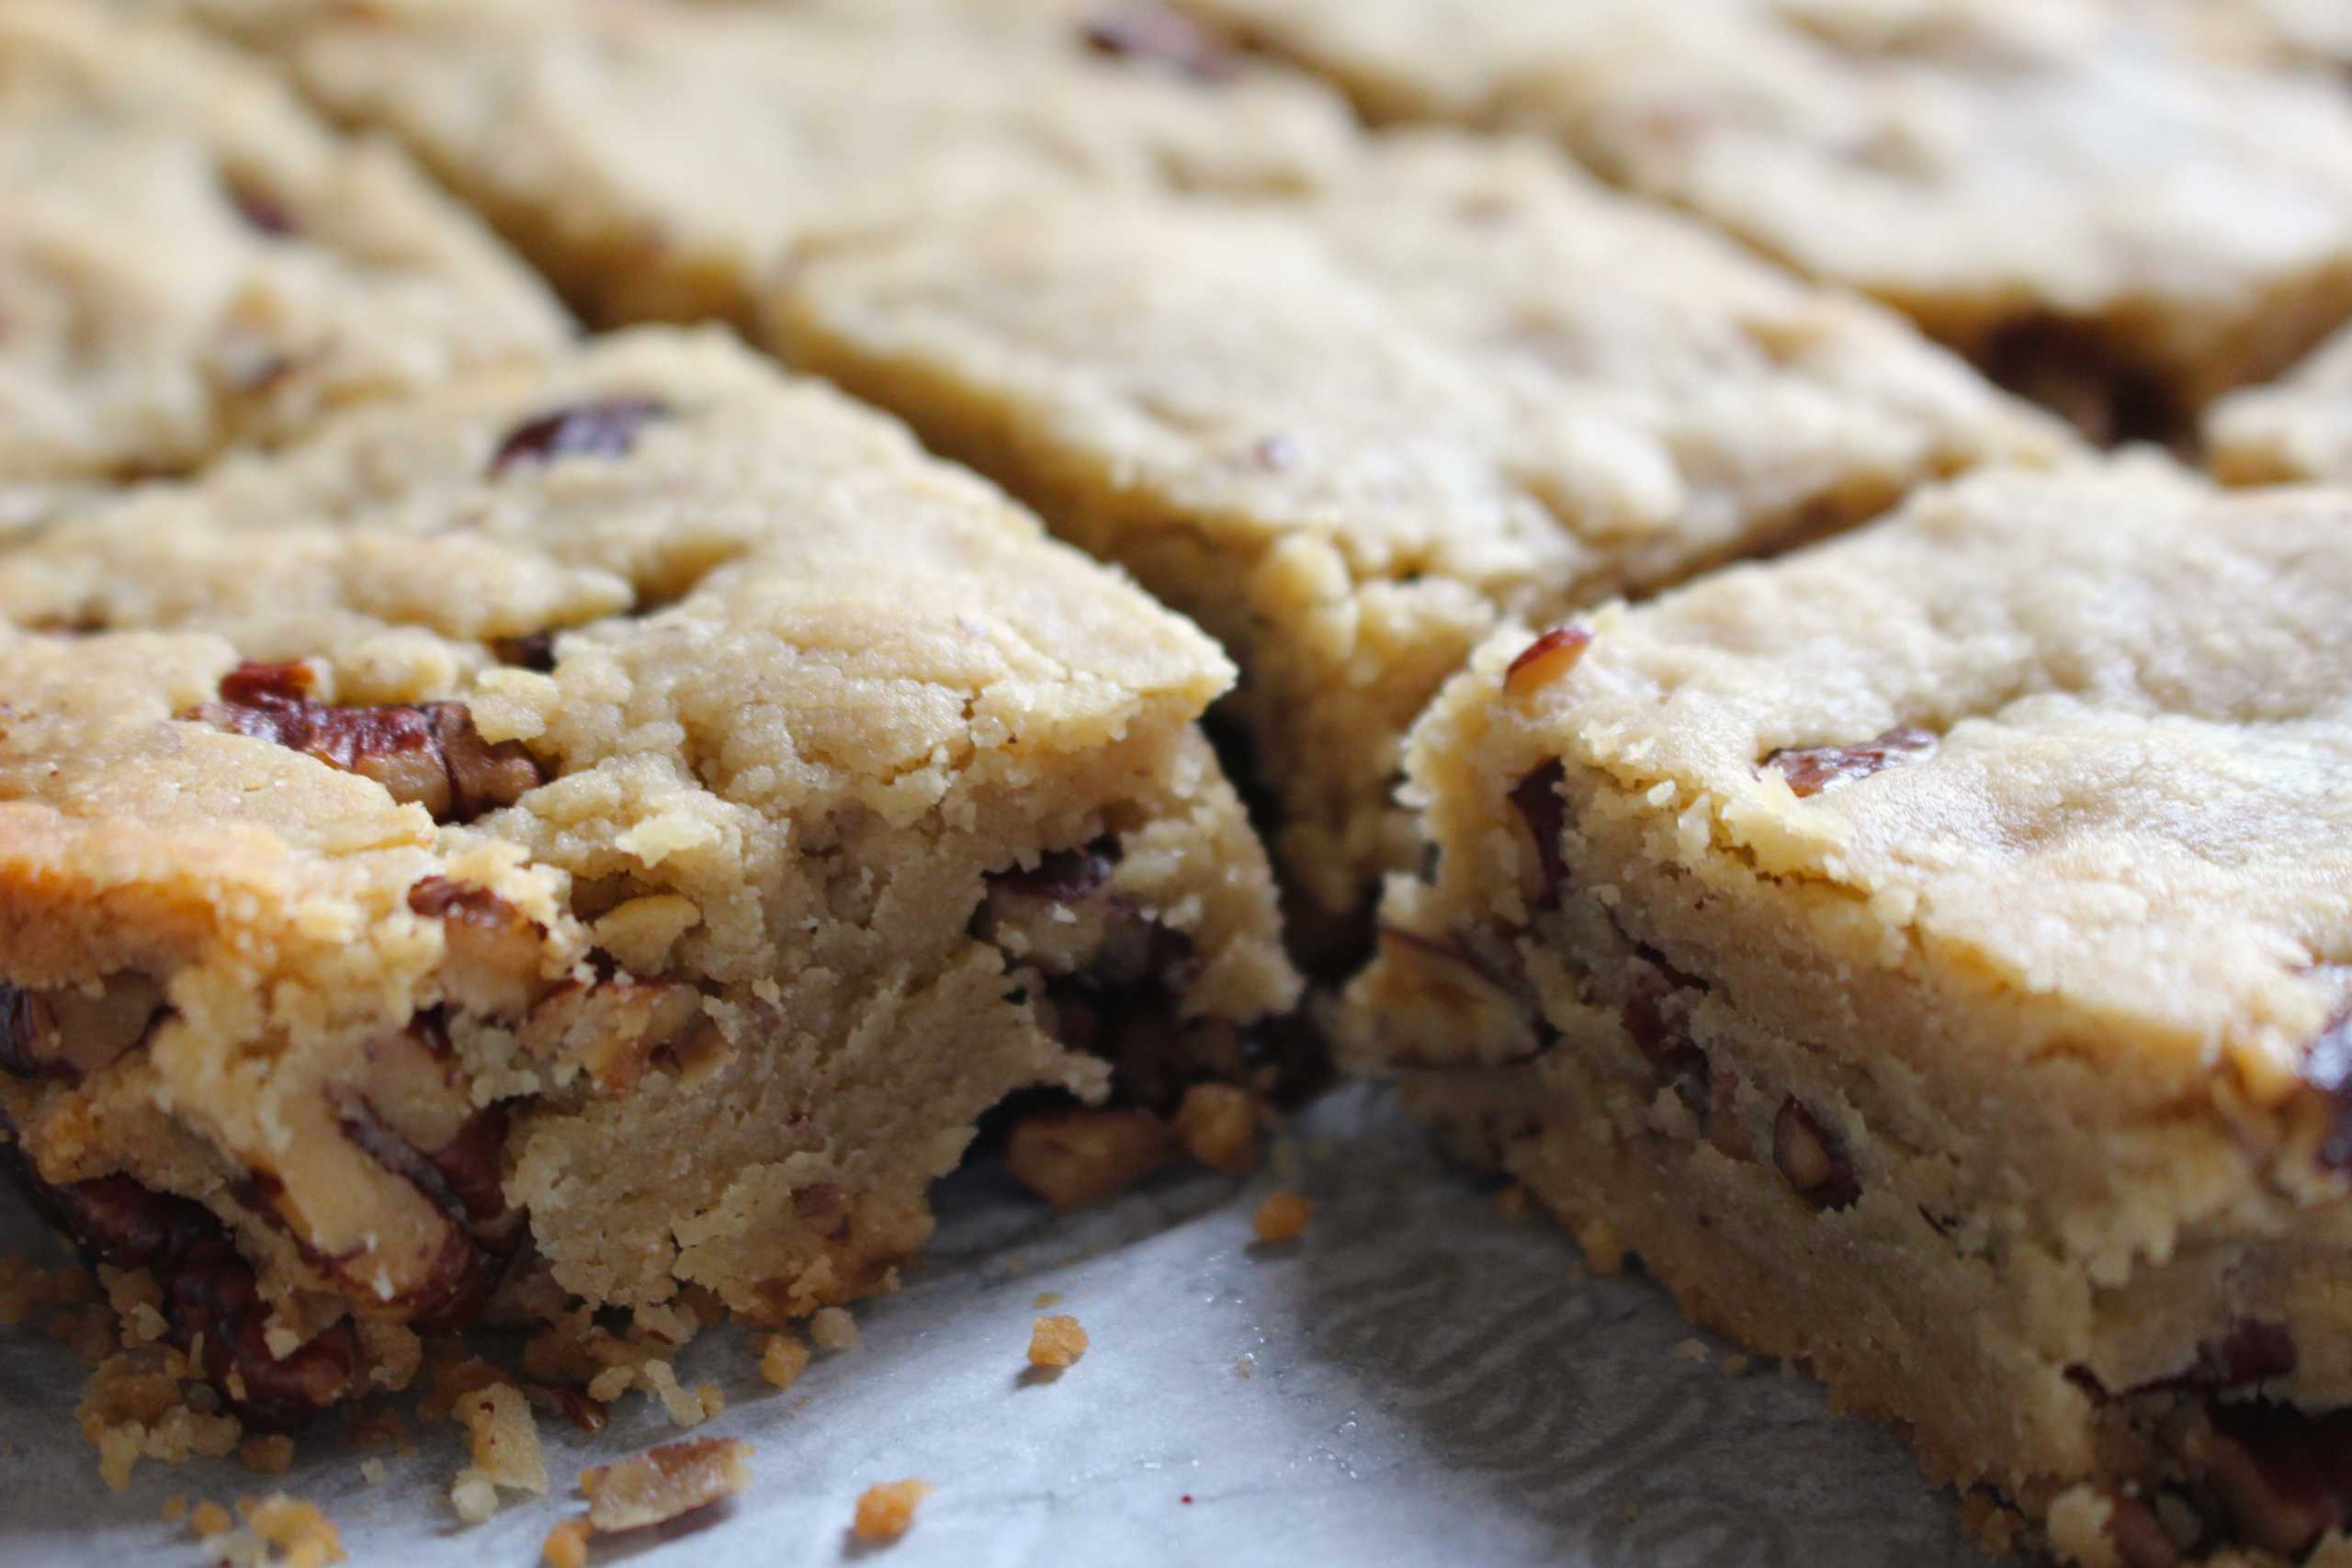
(886, 1511)
(1056, 1342)
(831, 1328)
(783, 1358)
(1981, 875)
(666, 1482)
(683, 966)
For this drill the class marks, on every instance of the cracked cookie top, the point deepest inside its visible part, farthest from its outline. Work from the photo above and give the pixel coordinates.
(189, 260)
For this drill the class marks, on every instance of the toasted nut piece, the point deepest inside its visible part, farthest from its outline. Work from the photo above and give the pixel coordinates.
(1281, 1217)
(666, 1482)
(1056, 1342)
(1076, 1156)
(885, 1511)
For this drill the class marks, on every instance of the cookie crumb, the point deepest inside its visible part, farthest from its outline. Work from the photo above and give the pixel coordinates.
(1281, 1217)
(1046, 1298)
(473, 1495)
(301, 1534)
(664, 1483)
(1245, 1366)
(373, 1471)
(1732, 1365)
(1216, 1125)
(832, 1329)
(210, 1520)
(783, 1358)
(886, 1511)
(1604, 1249)
(1692, 1350)
(566, 1545)
(504, 1439)
(271, 1455)
(1056, 1342)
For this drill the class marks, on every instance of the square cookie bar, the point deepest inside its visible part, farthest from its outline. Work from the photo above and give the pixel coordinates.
(658, 159)
(615, 825)
(189, 259)
(2073, 192)
(1932, 955)
(1348, 432)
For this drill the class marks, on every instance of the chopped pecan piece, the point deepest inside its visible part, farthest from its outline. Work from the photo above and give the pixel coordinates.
(666, 1482)
(1075, 1156)
(614, 1029)
(2273, 1467)
(1145, 31)
(426, 755)
(604, 429)
(65, 1033)
(208, 1295)
(1537, 800)
(491, 968)
(1545, 659)
(1809, 1157)
(535, 651)
(1816, 768)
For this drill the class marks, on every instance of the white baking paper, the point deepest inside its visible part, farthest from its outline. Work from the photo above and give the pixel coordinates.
(1421, 1381)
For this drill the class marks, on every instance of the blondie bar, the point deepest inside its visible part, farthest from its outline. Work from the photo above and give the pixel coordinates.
(188, 260)
(2069, 191)
(618, 823)
(1348, 432)
(1932, 955)
(657, 160)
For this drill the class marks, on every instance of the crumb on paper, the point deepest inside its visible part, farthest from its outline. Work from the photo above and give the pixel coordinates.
(832, 1329)
(1735, 1365)
(665, 1483)
(278, 1529)
(566, 1545)
(208, 1520)
(1245, 1366)
(1046, 1298)
(783, 1358)
(885, 1511)
(1989, 1523)
(269, 1455)
(1216, 1125)
(1281, 1217)
(1056, 1342)
(504, 1439)
(473, 1495)
(373, 1471)
(1692, 1350)
(1604, 1249)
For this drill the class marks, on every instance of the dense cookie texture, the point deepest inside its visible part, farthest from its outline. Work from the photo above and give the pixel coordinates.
(2074, 192)
(658, 159)
(2297, 428)
(625, 820)
(1932, 955)
(1348, 433)
(188, 260)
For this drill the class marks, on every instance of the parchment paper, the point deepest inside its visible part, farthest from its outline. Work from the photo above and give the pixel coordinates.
(1421, 1381)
